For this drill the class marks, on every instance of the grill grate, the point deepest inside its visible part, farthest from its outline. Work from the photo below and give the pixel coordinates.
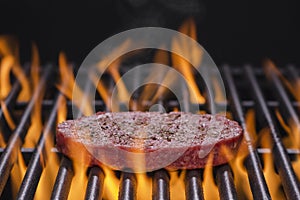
(223, 175)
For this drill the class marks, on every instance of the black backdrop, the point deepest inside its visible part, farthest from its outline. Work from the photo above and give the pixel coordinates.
(234, 32)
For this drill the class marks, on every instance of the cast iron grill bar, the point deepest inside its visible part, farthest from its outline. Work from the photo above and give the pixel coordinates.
(127, 189)
(161, 185)
(293, 73)
(210, 96)
(9, 156)
(193, 185)
(252, 163)
(10, 102)
(225, 183)
(66, 172)
(94, 188)
(37, 161)
(283, 164)
(285, 104)
(63, 180)
(224, 179)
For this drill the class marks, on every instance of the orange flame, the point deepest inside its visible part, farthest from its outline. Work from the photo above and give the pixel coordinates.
(113, 69)
(294, 88)
(209, 187)
(79, 182)
(50, 171)
(111, 182)
(7, 116)
(177, 184)
(36, 115)
(183, 66)
(150, 89)
(62, 110)
(69, 87)
(237, 164)
(17, 173)
(9, 50)
(122, 90)
(144, 186)
(2, 141)
(293, 139)
(102, 90)
(272, 178)
(296, 166)
(5, 68)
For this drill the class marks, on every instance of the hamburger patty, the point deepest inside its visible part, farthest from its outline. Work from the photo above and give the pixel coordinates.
(173, 140)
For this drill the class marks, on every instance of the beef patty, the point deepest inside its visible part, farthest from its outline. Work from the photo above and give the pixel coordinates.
(152, 140)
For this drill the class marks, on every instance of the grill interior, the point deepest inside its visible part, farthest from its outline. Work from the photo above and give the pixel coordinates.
(247, 88)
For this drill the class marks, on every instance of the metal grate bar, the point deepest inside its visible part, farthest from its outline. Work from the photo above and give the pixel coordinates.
(293, 73)
(11, 99)
(37, 161)
(94, 188)
(127, 190)
(285, 104)
(9, 103)
(252, 162)
(63, 180)
(283, 164)
(225, 183)
(193, 185)
(161, 185)
(9, 156)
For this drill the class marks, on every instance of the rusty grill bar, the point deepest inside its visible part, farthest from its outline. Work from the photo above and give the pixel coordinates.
(223, 175)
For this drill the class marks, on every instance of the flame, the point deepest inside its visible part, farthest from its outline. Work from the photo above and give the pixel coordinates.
(111, 182)
(144, 186)
(296, 166)
(153, 93)
(237, 164)
(189, 28)
(62, 110)
(294, 88)
(17, 173)
(25, 93)
(161, 91)
(183, 66)
(122, 90)
(49, 173)
(36, 127)
(9, 51)
(240, 172)
(79, 182)
(5, 68)
(272, 178)
(293, 139)
(7, 116)
(2, 141)
(102, 90)
(113, 69)
(150, 89)
(177, 184)
(209, 187)
(219, 95)
(69, 87)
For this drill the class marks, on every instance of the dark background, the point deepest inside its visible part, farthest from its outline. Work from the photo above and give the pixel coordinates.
(233, 32)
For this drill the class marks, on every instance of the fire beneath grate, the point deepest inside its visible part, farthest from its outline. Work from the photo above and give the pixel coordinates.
(267, 164)
(265, 101)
